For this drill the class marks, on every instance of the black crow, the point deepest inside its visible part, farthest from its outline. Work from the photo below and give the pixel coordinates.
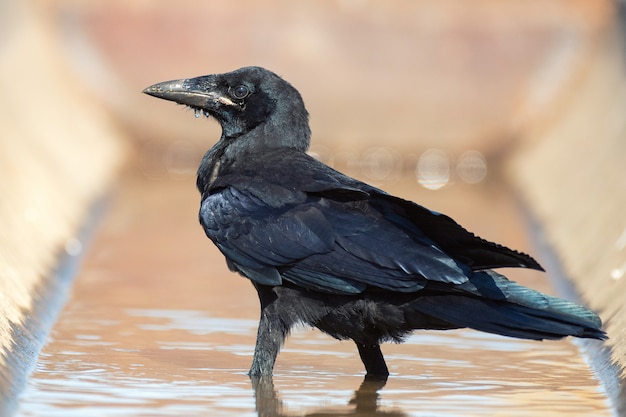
(332, 252)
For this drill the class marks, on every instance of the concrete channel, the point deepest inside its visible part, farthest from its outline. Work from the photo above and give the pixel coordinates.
(139, 315)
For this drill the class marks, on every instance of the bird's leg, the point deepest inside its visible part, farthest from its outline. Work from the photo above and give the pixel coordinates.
(271, 333)
(373, 360)
(270, 337)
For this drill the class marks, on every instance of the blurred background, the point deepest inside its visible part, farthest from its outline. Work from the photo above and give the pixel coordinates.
(383, 82)
(466, 107)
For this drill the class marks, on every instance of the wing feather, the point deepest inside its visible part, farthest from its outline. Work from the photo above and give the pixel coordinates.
(322, 244)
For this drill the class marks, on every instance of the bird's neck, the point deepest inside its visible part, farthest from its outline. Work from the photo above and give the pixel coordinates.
(236, 151)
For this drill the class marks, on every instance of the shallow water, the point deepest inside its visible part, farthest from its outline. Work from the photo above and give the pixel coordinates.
(185, 362)
(157, 326)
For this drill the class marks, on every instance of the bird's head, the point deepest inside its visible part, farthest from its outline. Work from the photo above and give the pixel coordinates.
(250, 102)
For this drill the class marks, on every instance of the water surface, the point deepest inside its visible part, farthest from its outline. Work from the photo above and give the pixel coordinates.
(157, 326)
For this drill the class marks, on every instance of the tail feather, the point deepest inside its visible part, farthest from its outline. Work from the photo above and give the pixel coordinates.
(505, 319)
(491, 303)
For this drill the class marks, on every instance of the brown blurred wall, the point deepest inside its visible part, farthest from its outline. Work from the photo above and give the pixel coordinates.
(58, 154)
(571, 172)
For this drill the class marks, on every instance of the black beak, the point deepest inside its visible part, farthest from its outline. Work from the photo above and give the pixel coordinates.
(181, 92)
(196, 92)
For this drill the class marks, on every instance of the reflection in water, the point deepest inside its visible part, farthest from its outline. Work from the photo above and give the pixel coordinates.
(364, 402)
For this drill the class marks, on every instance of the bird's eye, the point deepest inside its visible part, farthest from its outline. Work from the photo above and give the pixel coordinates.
(240, 92)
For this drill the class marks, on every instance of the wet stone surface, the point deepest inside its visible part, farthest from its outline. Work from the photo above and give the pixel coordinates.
(157, 325)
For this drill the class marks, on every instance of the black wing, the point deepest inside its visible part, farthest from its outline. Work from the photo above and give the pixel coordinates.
(456, 241)
(322, 230)
(471, 250)
(322, 244)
